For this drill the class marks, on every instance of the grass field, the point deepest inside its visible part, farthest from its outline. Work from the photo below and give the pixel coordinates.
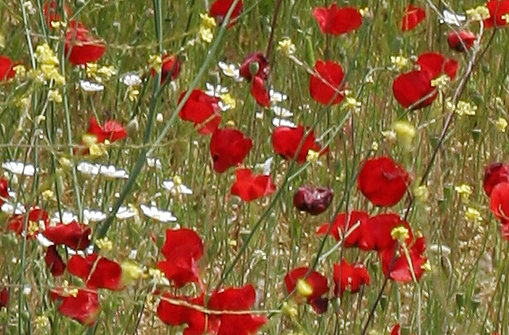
(99, 124)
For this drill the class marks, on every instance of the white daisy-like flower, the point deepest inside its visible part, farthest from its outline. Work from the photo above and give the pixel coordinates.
(111, 171)
(277, 122)
(452, 18)
(130, 79)
(157, 214)
(88, 168)
(91, 86)
(230, 70)
(281, 111)
(154, 163)
(133, 254)
(176, 188)
(125, 212)
(11, 209)
(43, 240)
(20, 168)
(266, 166)
(215, 91)
(276, 96)
(67, 217)
(94, 215)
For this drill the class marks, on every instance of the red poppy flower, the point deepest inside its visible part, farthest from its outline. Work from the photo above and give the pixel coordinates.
(382, 181)
(202, 110)
(375, 232)
(81, 47)
(4, 297)
(235, 299)
(228, 147)
(499, 203)
(354, 235)
(74, 235)
(260, 93)
(349, 277)
(171, 65)
(493, 174)
(219, 9)
(286, 141)
(498, 11)
(412, 17)
(37, 217)
(54, 262)
(182, 249)
(337, 21)
(6, 68)
(317, 283)
(313, 200)
(435, 64)
(325, 83)
(250, 187)
(51, 14)
(84, 307)
(4, 190)
(97, 271)
(259, 61)
(177, 315)
(461, 41)
(111, 131)
(400, 271)
(413, 89)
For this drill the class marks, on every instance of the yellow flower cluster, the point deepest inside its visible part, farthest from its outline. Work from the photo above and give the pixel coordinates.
(286, 47)
(400, 63)
(47, 63)
(100, 73)
(480, 13)
(207, 24)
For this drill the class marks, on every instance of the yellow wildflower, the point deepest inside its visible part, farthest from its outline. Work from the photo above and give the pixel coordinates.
(286, 47)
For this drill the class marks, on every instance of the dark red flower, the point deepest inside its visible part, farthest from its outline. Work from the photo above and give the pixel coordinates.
(337, 21)
(504, 230)
(325, 83)
(313, 200)
(493, 174)
(51, 12)
(498, 11)
(235, 299)
(182, 249)
(413, 89)
(258, 61)
(461, 41)
(286, 141)
(111, 130)
(339, 225)
(349, 277)
(260, 93)
(382, 181)
(84, 307)
(54, 262)
(401, 271)
(375, 232)
(74, 235)
(177, 315)
(250, 187)
(435, 64)
(499, 201)
(314, 281)
(412, 17)
(81, 47)
(202, 110)
(97, 271)
(37, 217)
(4, 297)
(228, 147)
(6, 68)
(171, 65)
(219, 9)
(4, 190)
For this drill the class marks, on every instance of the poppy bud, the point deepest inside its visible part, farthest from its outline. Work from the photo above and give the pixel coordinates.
(461, 41)
(4, 297)
(248, 66)
(312, 200)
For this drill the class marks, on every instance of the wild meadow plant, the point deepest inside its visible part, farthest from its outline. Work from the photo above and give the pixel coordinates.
(254, 167)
